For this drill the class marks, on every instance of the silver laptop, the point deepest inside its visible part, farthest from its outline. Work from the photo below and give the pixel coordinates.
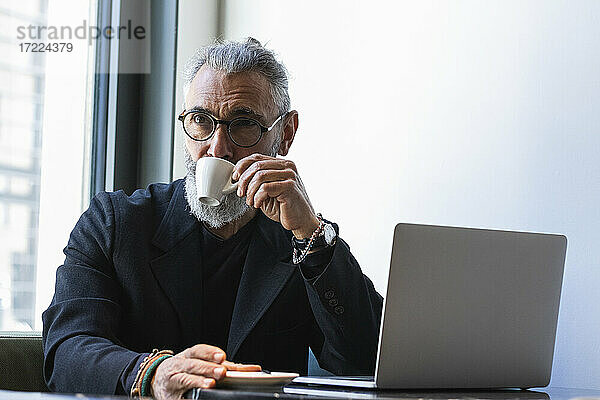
(466, 308)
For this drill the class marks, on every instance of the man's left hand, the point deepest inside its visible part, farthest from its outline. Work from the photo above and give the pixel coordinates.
(273, 185)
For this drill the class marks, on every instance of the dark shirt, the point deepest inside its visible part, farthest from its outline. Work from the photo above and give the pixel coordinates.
(222, 265)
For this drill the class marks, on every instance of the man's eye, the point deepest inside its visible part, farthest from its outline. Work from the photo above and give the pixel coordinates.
(199, 119)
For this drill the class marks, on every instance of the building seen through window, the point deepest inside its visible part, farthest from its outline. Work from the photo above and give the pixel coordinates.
(21, 117)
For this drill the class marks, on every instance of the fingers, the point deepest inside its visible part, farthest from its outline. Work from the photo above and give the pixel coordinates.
(252, 174)
(208, 383)
(260, 161)
(205, 352)
(246, 174)
(262, 177)
(242, 165)
(269, 189)
(175, 375)
(208, 361)
(178, 365)
(184, 381)
(201, 367)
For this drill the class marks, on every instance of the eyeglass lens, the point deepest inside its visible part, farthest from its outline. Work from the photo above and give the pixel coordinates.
(243, 131)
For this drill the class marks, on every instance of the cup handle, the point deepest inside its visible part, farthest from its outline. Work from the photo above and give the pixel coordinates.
(231, 186)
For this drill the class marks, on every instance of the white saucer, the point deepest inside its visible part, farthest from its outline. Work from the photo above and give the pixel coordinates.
(239, 378)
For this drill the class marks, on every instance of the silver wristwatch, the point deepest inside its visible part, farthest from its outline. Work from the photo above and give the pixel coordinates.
(328, 235)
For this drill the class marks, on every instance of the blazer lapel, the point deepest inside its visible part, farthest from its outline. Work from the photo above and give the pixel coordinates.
(179, 270)
(263, 277)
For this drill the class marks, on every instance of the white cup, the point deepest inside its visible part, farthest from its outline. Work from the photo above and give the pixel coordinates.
(213, 180)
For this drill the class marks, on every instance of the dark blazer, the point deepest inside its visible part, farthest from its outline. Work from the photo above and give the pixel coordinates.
(131, 282)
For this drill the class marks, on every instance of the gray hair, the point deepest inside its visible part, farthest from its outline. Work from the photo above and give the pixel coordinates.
(232, 57)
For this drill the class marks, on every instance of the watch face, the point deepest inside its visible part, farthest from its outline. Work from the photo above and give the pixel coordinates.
(329, 233)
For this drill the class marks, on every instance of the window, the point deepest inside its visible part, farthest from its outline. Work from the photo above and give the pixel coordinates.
(44, 153)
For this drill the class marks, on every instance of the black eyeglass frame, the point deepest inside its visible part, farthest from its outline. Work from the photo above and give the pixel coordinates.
(216, 122)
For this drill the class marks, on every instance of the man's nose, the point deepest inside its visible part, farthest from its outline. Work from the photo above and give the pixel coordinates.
(220, 145)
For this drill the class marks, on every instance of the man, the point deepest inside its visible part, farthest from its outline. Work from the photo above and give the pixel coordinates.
(219, 285)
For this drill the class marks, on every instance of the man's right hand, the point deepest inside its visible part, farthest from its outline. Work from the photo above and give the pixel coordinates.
(200, 366)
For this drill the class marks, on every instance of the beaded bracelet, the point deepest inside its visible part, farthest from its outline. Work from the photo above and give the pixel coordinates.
(145, 391)
(136, 388)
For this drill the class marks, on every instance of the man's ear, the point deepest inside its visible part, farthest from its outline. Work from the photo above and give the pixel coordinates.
(289, 132)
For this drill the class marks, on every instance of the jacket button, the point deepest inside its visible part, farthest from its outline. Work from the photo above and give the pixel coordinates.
(339, 310)
(329, 294)
(333, 302)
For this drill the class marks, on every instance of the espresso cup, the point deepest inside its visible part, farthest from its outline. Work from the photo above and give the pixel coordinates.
(213, 180)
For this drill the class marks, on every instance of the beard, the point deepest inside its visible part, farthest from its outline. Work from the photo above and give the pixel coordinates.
(231, 208)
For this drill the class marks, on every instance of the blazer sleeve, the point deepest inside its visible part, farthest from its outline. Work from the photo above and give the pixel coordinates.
(82, 353)
(347, 314)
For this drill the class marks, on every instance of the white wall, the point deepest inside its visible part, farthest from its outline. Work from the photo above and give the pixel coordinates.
(471, 113)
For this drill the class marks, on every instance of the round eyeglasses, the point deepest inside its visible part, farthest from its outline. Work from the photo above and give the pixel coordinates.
(244, 132)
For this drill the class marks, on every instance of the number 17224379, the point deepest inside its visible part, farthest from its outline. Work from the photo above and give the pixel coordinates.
(41, 47)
